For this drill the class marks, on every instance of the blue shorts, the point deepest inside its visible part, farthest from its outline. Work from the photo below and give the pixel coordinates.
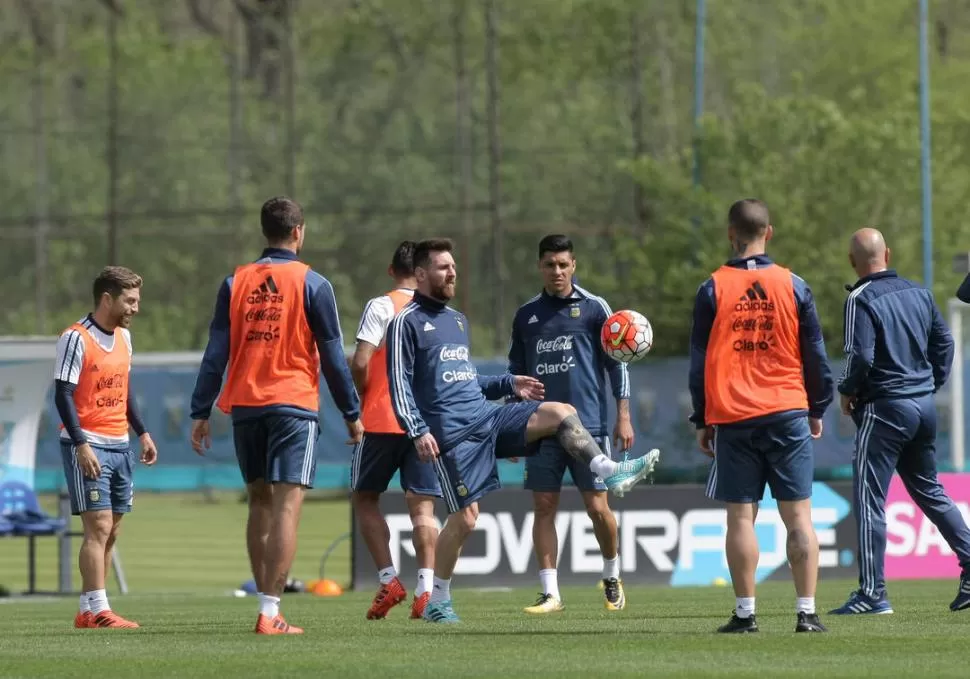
(746, 458)
(378, 456)
(277, 449)
(468, 470)
(544, 471)
(113, 490)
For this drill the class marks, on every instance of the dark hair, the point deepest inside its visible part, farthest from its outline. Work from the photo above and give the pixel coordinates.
(424, 250)
(556, 243)
(278, 217)
(749, 217)
(114, 280)
(402, 263)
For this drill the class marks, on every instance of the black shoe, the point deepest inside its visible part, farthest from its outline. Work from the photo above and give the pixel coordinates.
(809, 622)
(738, 625)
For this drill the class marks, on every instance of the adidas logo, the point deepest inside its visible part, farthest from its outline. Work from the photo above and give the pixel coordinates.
(266, 292)
(533, 319)
(428, 326)
(755, 299)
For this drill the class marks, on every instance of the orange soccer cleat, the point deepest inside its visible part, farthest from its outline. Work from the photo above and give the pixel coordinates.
(418, 605)
(277, 625)
(111, 619)
(388, 596)
(84, 620)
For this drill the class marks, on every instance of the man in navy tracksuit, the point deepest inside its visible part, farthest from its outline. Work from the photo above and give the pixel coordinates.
(898, 355)
(440, 402)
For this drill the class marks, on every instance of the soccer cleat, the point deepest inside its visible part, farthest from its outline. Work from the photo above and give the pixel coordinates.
(613, 591)
(84, 620)
(388, 596)
(963, 595)
(630, 472)
(738, 625)
(419, 604)
(112, 620)
(277, 625)
(860, 603)
(809, 622)
(546, 603)
(440, 612)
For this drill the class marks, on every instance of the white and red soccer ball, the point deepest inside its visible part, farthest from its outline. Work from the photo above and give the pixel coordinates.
(626, 336)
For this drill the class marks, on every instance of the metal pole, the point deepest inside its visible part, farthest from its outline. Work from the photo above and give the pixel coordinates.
(956, 386)
(698, 83)
(494, 167)
(112, 137)
(290, 99)
(924, 115)
(41, 192)
(463, 152)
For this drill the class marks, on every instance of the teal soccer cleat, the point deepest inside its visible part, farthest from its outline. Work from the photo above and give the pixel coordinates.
(440, 612)
(631, 472)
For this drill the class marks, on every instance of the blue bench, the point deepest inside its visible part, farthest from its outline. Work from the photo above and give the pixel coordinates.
(22, 517)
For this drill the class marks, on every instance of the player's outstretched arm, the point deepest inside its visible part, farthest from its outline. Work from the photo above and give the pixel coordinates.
(497, 386)
(700, 333)
(325, 323)
(400, 377)
(215, 358)
(816, 371)
(963, 292)
(940, 349)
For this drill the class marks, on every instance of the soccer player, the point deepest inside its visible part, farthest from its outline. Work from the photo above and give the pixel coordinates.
(760, 383)
(385, 449)
(440, 402)
(92, 393)
(275, 326)
(556, 339)
(898, 354)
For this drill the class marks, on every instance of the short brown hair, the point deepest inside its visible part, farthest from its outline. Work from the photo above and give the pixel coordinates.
(114, 280)
(424, 249)
(749, 217)
(278, 217)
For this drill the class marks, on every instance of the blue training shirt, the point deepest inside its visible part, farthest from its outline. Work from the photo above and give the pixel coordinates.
(433, 383)
(557, 340)
(897, 344)
(320, 305)
(816, 371)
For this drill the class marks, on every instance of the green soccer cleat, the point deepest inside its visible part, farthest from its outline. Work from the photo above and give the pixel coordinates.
(440, 612)
(631, 472)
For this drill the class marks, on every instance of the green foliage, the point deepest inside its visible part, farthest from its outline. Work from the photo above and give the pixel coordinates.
(810, 106)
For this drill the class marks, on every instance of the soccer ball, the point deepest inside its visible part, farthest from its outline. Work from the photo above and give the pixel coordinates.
(626, 336)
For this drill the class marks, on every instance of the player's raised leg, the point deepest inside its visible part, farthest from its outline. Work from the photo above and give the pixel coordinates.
(560, 420)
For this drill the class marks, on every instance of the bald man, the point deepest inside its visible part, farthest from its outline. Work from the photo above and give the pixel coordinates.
(898, 355)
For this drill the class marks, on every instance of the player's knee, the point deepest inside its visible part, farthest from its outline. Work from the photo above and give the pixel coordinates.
(545, 506)
(97, 526)
(365, 499)
(260, 495)
(466, 519)
(598, 509)
(562, 410)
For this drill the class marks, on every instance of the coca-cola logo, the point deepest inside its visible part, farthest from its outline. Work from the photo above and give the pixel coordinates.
(453, 354)
(561, 343)
(271, 314)
(109, 382)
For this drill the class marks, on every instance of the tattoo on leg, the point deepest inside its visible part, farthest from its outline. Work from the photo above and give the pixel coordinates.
(797, 547)
(576, 440)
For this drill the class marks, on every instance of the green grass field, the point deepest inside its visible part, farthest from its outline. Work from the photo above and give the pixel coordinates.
(182, 557)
